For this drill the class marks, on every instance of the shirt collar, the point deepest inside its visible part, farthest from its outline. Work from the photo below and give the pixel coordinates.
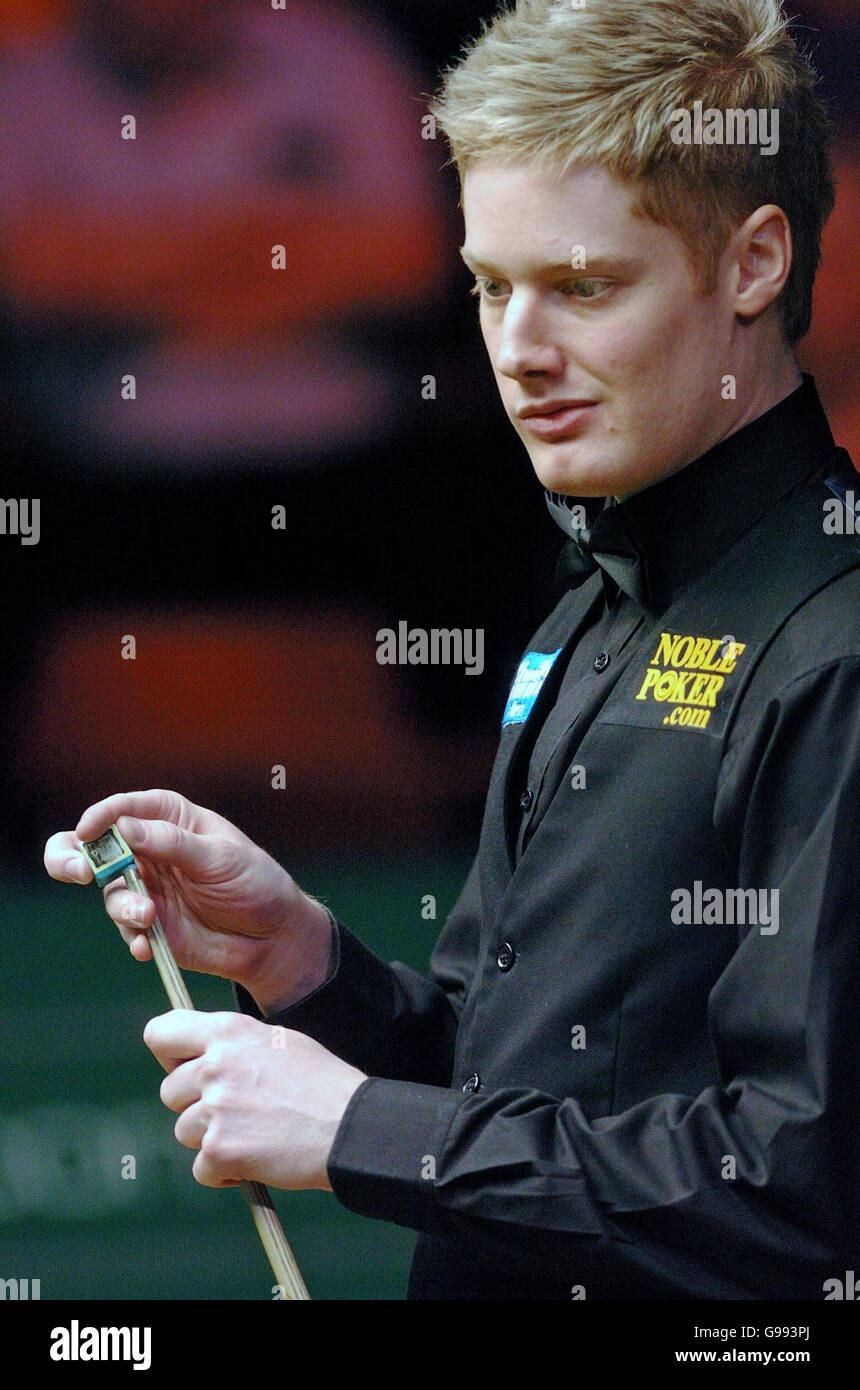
(662, 537)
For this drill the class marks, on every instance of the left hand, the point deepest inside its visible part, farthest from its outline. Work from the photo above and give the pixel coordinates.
(259, 1102)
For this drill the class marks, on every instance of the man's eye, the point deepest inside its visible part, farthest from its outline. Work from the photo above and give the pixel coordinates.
(487, 289)
(585, 289)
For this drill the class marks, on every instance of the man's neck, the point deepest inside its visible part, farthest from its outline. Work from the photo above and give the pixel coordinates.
(770, 392)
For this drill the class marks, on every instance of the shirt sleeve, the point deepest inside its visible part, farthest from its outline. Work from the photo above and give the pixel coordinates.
(764, 1162)
(388, 1019)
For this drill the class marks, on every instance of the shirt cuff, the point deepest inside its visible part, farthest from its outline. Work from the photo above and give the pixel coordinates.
(387, 1150)
(248, 1005)
(350, 1013)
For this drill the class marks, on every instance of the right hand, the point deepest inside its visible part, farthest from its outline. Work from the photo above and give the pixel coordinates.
(226, 906)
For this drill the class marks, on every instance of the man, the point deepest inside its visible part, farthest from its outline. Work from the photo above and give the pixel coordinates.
(633, 1072)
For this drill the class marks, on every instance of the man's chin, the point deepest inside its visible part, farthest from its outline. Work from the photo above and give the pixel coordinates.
(579, 477)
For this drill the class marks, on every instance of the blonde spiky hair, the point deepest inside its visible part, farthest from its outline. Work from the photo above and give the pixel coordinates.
(558, 86)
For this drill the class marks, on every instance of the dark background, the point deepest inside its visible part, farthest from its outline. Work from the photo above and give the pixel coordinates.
(256, 647)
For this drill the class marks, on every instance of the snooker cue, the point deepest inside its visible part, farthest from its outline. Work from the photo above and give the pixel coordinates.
(269, 1228)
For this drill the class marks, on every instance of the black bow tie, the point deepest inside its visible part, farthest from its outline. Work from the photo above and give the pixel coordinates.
(604, 542)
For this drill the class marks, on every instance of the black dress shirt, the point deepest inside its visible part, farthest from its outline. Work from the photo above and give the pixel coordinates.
(634, 1069)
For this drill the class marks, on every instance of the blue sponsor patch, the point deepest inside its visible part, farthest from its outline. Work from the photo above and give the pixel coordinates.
(533, 671)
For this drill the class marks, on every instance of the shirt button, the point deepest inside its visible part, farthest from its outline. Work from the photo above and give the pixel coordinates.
(601, 661)
(506, 957)
(527, 798)
(473, 1084)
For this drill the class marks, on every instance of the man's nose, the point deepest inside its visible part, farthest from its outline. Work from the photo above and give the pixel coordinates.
(526, 343)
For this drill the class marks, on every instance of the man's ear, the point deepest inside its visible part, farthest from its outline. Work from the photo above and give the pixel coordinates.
(760, 253)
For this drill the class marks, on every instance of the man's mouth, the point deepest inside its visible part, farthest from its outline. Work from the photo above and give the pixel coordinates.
(555, 420)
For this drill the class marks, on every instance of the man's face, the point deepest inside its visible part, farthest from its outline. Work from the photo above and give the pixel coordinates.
(628, 350)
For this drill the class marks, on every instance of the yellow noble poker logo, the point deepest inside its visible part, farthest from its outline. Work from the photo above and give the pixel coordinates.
(687, 674)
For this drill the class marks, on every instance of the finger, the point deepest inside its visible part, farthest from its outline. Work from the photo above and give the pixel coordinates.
(190, 1128)
(64, 861)
(182, 1088)
(155, 804)
(210, 1173)
(140, 946)
(128, 910)
(163, 842)
(122, 907)
(182, 1034)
